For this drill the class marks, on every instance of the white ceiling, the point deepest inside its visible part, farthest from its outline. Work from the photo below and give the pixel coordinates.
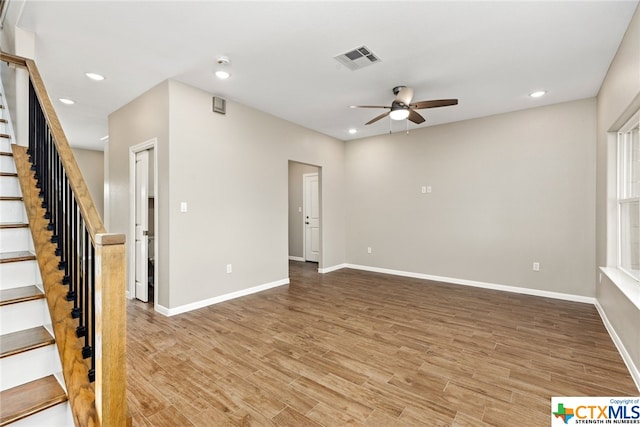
(489, 55)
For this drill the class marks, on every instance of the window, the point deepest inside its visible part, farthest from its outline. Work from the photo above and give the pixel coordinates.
(629, 197)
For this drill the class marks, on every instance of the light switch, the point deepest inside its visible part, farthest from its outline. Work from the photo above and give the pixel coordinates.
(183, 206)
(424, 189)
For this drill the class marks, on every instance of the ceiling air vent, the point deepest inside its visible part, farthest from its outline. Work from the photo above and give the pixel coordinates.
(357, 58)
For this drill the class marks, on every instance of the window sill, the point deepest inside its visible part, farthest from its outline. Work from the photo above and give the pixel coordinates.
(627, 285)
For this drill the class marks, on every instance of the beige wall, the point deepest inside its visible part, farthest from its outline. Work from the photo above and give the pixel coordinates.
(507, 190)
(142, 119)
(91, 165)
(232, 170)
(296, 200)
(619, 97)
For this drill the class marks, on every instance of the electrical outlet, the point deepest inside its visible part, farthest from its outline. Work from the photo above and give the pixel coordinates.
(536, 266)
(229, 268)
(369, 250)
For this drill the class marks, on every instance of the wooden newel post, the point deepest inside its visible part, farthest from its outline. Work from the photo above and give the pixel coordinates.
(110, 351)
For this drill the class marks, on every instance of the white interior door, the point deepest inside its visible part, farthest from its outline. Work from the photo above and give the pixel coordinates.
(142, 225)
(311, 217)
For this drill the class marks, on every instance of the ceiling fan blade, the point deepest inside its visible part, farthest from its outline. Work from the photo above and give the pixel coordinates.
(434, 103)
(405, 95)
(415, 117)
(369, 106)
(375, 119)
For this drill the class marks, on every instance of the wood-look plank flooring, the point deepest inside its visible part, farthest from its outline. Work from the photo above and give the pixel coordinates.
(359, 348)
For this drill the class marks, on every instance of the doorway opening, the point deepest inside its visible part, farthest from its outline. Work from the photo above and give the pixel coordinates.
(143, 243)
(305, 209)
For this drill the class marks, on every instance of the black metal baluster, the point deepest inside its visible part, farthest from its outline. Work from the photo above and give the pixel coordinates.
(32, 122)
(86, 350)
(55, 191)
(91, 307)
(62, 190)
(81, 275)
(43, 182)
(49, 161)
(77, 284)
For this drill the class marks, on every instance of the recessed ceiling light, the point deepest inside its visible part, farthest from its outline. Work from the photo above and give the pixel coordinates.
(95, 76)
(538, 94)
(353, 131)
(67, 101)
(222, 75)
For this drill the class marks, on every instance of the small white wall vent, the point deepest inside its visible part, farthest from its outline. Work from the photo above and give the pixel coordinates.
(357, 58)
(219, 105)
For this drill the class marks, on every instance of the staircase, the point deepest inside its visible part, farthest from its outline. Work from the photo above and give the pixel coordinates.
(31, 385)
(80, 267)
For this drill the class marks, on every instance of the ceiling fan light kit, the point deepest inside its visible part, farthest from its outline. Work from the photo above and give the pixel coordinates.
(402, 108)
(399, 113)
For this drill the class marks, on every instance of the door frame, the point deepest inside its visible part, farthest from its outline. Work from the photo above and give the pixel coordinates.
(151, 144)
(304, 208)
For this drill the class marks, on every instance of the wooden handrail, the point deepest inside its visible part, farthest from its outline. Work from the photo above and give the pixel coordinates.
(13, 59)
(106, 406)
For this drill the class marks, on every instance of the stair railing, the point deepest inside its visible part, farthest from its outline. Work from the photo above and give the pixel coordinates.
(93, 265)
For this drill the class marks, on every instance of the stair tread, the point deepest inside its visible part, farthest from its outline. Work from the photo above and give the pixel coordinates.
(16, 256)
(5, 135)
(22, 294)
(21, 341)
(11, 174)
(14, 225)
(11, 198)
(3, 121)
(27, 399)
(6, 153)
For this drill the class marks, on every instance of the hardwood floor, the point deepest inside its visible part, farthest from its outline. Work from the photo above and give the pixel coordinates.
(358, 348)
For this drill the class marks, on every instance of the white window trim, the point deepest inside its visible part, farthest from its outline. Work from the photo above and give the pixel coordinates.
(631, 280)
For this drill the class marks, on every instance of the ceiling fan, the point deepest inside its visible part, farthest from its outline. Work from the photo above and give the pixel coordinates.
(402, 108)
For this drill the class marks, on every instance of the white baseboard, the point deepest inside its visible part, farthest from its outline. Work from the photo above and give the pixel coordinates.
(332, 268)
(486, 285)
(162, 310)
(633, 369)
(296, 258)
(215, 300)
